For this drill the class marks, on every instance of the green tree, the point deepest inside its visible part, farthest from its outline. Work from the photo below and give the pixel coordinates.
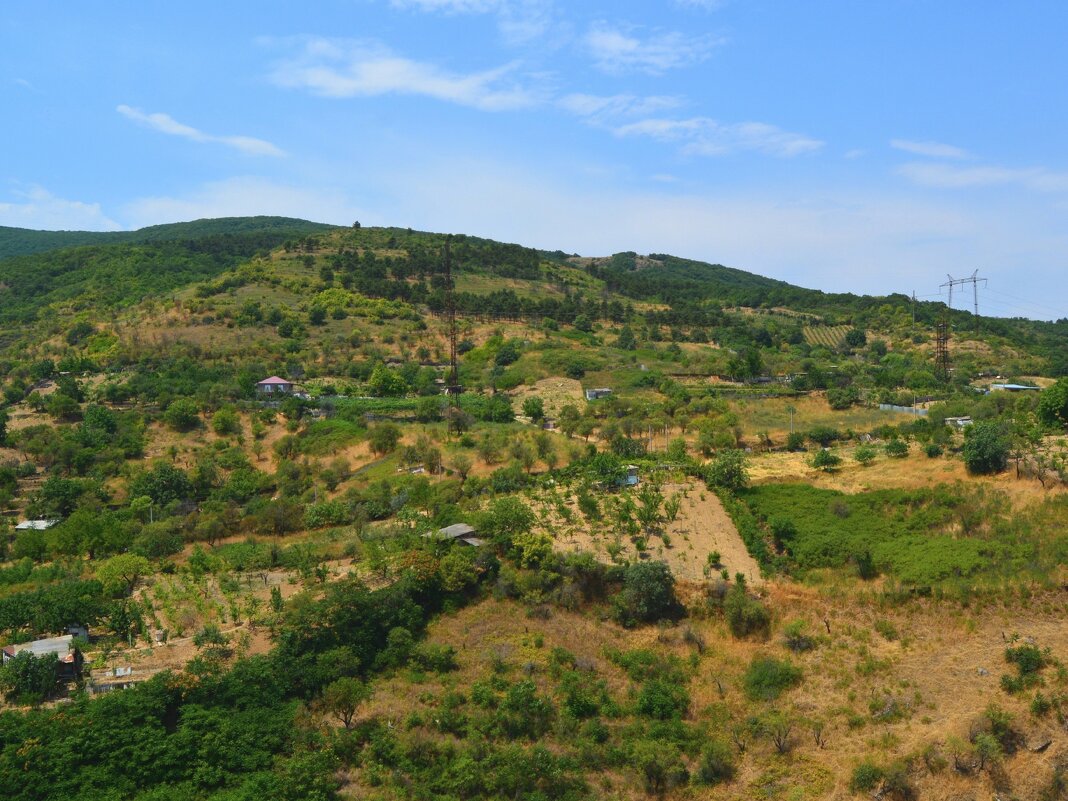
(626, 339)
(534, 408)
(120, 574)
(182, 415)
(1053, 404)
(384, 438)
(29, 679)
(225, 422)
(986, 447)
(729, 470)
(648, 594)
(386, 383)
(343, 697)
(826, 460)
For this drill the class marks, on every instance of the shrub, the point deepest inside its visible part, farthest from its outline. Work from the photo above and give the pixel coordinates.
(663, 699)
(182, 415)
(897, 449)
(745, 615)
(795, 441)
(866, 777)
(865, 454)
(767, 678)
(717, 763)
(933, 450)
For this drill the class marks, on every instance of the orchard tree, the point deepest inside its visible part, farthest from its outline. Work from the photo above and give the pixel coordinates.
(986, 447)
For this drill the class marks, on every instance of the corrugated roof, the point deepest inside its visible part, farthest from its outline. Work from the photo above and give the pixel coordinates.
(456, 530)
(63, 647)
(274, 380)
(35, 525)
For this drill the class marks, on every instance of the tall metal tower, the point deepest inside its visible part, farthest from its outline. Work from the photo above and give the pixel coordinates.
(942, 364)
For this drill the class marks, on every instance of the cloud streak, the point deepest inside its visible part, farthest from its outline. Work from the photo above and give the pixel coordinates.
(346, 69)
(616, 50)
(703, 136)
(164, 123)
(936, 150)
(951, 176)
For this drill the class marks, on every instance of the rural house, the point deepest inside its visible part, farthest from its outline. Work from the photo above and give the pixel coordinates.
(274, 386)
(70, 658)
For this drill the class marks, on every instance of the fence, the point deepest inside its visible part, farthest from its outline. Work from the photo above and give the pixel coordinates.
(889, 407)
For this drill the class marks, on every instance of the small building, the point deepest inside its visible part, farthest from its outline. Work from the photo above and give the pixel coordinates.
(70, 658)
(35, 525)
(1014, 388)
(458, 532)
(959, 422)
(274, 386)
(631, 479)
(596, 393)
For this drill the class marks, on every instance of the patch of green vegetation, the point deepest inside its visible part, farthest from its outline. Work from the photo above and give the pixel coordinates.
(913, 535)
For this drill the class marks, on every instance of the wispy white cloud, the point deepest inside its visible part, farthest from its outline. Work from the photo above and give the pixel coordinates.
(936, 150)
(518, 20)
(707, 137)
(618, 50)
(951, 176)
(36, 207)
(246, 196)
(346, 68)
(599, 107)
(164, 123)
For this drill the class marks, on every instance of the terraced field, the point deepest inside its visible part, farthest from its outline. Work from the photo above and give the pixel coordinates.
(829, 336)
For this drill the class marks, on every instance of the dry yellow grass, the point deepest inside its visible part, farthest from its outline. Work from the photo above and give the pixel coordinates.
(933, 670)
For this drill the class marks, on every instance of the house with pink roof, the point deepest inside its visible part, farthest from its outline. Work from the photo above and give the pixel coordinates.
(274, 386)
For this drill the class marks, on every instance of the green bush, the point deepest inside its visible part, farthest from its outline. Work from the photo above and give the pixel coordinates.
(826, 460)
(866, 777)
(745, 616)
(648, 594)
(663, 699)
(717, 763)
(897, 449)
(767, 678)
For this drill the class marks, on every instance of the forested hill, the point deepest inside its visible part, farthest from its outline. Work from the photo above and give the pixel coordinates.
(23, 241)
(56, 274)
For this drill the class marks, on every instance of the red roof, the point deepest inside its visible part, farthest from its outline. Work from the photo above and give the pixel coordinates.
(274, 380)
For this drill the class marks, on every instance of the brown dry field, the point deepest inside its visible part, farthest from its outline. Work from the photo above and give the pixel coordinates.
(915, 471)
(555, 394)
(934, 670)
(701, 527)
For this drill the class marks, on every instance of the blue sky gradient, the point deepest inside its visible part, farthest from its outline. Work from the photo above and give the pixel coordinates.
(849, 146)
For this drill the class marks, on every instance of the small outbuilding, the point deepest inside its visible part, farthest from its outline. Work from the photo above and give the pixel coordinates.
(631, 478)
(596, 393)
(70, 658)
(274, 386)
(458, 532)
(1014, 388)
(35, 525)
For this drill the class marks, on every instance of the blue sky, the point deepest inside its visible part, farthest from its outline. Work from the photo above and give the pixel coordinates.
(853, 146)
